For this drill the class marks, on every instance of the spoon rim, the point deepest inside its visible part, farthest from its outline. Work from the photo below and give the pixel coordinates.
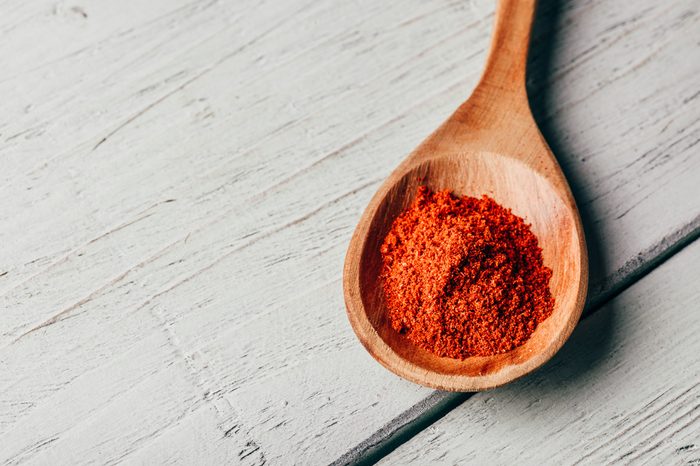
(388, 357)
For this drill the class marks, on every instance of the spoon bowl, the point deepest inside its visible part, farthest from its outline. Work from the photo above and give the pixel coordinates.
(490, 145)
(534, 198)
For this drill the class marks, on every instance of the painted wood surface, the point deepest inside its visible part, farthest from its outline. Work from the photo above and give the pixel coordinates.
(624, 390)
(180, 181)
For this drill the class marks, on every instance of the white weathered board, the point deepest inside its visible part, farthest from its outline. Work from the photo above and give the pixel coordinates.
(180, 180)
(624, 390)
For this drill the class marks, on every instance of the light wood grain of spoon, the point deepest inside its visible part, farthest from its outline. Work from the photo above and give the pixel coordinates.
(490, 145)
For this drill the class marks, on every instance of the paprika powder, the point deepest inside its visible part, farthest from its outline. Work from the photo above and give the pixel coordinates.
(463, 276)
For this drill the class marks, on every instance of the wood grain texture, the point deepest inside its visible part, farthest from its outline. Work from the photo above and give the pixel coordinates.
(180, 181)
(625, 390)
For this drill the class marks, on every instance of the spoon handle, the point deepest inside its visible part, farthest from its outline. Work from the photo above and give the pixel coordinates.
(507, 58)
(496, 117)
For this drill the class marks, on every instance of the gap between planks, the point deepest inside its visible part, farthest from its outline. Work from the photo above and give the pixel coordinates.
(408, 424)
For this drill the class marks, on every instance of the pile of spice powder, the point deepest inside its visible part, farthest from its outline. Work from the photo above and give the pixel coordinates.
(464, 276)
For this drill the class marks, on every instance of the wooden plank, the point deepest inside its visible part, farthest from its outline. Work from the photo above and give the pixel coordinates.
(181, 180)
(626, 388)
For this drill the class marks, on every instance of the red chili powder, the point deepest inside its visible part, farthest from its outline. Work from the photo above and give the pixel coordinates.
(464, 276)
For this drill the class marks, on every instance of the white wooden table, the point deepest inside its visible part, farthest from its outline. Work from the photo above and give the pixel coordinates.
(179, 184)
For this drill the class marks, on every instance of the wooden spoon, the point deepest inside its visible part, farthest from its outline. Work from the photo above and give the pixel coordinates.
(490, 145)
